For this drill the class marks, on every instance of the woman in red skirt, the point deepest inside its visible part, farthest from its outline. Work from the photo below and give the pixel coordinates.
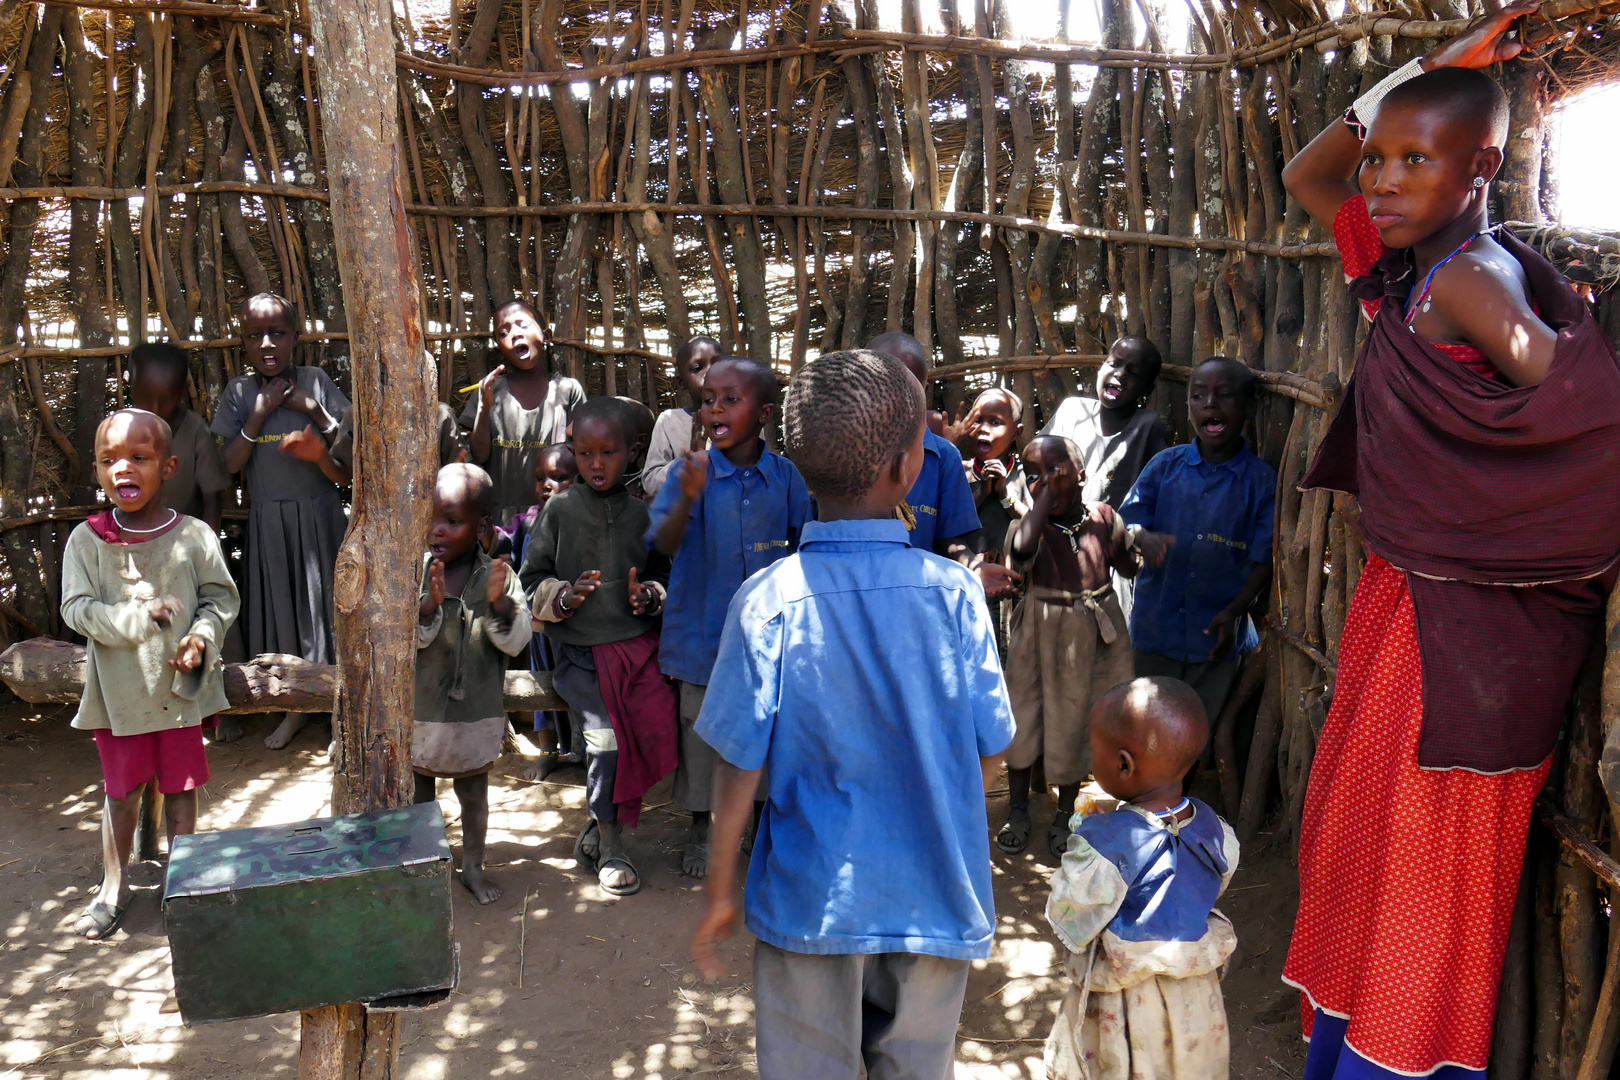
(1480, 432)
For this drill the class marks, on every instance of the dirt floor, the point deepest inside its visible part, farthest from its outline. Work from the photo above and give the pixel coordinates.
(591, 986)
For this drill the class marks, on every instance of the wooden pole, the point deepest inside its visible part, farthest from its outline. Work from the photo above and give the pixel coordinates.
(394, 408)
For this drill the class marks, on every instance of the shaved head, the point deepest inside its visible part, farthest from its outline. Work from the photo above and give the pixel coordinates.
(125, 423)
(1159, 720)
(1060, 445)
(1466, 96)
(906, 349)
(463, 484)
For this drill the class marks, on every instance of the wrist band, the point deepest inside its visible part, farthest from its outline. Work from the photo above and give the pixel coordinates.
(1360, 115)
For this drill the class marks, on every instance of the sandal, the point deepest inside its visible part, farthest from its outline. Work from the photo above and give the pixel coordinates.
(1014, 836)
(614, 862)
(584, 859)
(1057, 837)
(103, 920)
(695, 860)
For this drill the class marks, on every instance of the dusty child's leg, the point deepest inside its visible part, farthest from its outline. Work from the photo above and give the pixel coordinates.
(1014, 836)
(694, 781)
(473, 794)
(291, 725)
(118, 817)
(228, 730)
(180, 814)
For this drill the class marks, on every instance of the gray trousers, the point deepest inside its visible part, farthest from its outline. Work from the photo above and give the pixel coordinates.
(823, 1017)
(574, 679)
(694, 776)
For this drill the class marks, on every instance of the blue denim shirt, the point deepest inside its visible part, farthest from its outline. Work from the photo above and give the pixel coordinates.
(745, 520)
(1222, 517)
(863, 674)
(941, 499)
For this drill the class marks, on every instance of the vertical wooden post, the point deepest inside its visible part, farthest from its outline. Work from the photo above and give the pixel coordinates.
(394, 393)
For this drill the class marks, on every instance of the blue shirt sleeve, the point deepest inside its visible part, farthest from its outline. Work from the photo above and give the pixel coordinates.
(744, 694)
(1142, 503)
(957, 514)
(664, 501)
(986, 686)
(1265, 515)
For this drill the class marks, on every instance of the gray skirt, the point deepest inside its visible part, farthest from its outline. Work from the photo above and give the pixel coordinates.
(292, 548)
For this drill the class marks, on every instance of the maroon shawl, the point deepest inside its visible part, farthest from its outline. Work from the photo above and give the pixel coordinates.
(1502, 503)
(643, 707)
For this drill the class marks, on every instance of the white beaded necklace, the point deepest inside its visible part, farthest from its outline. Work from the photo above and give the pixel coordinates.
(173, 516)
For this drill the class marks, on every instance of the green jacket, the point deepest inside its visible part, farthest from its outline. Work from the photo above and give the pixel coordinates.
(128, 683)
(582, 529)
(461, 655)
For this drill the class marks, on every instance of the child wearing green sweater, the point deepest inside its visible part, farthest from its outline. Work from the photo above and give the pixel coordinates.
(149, 589)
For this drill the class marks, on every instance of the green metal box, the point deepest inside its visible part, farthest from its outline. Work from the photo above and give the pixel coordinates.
(321, 912)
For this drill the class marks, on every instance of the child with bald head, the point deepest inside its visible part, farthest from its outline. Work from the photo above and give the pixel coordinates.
(149, 589)
(1134, 902)
(471, 617)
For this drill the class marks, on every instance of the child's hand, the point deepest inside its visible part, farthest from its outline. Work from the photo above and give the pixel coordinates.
(1223, 627)
(163, 610)
(500, 575)
(190, 653)
(643, 598)
(306, 445)
(993, 473)
(998, 581)
(718, 922)
(1155, 547)
(271, 396)
(956, 430)
(298, 400)
(435, 594)
(486, 386)
(573, 596)
(694, 474)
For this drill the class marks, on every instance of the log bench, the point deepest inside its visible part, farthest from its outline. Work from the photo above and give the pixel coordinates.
(44, 671)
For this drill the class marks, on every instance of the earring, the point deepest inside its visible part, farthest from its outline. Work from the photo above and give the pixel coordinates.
(1479, 181)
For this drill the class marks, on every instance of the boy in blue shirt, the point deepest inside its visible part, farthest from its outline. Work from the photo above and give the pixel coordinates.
(726, 513)
(856, 669)
(1202, 515)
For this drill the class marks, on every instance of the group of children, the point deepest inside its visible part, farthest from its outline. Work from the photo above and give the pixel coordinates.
(709, 607)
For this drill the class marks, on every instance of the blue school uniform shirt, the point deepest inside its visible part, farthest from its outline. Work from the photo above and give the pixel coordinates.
(863, 674)
(745, 520)
(1222, 517)
(941, 500)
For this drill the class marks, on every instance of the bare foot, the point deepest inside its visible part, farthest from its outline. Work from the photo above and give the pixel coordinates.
(291, 725)
(229, 729)
(695, 858)
(478, 883)
(542, 766)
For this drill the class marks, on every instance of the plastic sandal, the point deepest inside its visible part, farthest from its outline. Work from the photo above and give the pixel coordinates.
(619, 890)
(1014, 836)
(1057, 837)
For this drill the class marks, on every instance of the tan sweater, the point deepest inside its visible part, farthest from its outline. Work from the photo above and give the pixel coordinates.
(128, 683)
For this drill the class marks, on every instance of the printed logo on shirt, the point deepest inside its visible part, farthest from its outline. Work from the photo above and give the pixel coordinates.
(929, 510)
(1217, 538)
(520, 444)
(766, 545)
(273, 438)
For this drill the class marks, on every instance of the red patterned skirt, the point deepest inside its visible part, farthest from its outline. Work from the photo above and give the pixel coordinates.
(1407, 876)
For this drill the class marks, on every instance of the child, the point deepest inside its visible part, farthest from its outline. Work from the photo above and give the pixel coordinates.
(1133, 903)
(599, 591)
(680, 430)
(471, 618)
(520, 407)
(638, 426)
(862, 673)
(149, 589)
(158, 385)
(554, 472)
(1116, 432)
(295, 511)
(993, 426)
(1068, 634)
(1202, 516)
(726, 514)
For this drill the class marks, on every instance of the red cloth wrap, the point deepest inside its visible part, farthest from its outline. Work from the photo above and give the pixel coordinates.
(1471, 485)
(643, 707)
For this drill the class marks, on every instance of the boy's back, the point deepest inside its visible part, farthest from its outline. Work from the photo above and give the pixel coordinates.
(864, 673)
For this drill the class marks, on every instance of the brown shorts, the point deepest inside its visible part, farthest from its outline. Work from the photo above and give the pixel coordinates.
(1058, 665)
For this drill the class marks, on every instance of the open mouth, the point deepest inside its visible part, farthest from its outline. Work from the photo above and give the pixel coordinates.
(128, 491)
(438, 550)
(521, 351)
(1212, 426)
(1111, 388)
(719, 431)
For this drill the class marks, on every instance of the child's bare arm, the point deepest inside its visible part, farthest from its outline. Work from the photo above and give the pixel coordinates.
(1223, 626)
(478, 439)
(270, 397)
(1026, 538)
(733, 804)
(310, 445)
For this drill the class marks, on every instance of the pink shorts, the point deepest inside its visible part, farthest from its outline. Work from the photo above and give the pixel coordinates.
(175, 758)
